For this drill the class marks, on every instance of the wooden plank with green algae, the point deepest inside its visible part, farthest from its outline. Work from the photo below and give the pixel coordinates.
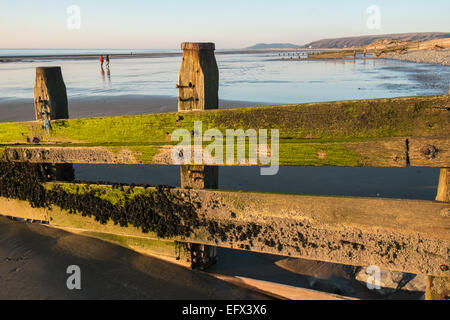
(384, 152)
(396, 117)
(346, 133)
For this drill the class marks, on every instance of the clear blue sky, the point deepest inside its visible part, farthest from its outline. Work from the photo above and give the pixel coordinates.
(230, 24)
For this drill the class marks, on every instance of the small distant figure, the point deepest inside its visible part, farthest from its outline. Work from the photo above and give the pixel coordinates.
(107, 61)
(101, 61)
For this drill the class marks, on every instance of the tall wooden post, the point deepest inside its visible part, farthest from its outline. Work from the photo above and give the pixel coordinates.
(198, 79)
(50, 96)
(198, 90)
(438, 288)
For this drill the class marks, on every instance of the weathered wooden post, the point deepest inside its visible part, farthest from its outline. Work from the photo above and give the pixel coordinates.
(438, 288)
(444, 189)
(50, 88)
(198, 90)
(50, 102)
(198, 79)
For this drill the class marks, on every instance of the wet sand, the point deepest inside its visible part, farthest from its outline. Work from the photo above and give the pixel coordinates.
(23, 109)
(34, 260)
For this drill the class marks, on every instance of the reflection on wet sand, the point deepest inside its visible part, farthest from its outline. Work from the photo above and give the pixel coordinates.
(102, 73)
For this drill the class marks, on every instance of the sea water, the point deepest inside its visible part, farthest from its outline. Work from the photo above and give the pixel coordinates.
(262, 77)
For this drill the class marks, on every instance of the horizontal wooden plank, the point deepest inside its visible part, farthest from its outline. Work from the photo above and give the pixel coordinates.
(396, 117)
(403, 235)
(382, 152)
(346, 133)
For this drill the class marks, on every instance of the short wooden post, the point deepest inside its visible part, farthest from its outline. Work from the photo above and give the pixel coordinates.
(438, 288)
(50, 87)
(199, 177)
(50, 93)
(198, 90)
(443, 194)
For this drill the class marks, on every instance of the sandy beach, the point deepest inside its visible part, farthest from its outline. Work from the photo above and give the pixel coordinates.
(34, 259)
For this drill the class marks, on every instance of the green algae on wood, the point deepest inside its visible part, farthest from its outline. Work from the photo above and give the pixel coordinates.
(13, 133)
(383, 152)
(396, 117)
(345, 133)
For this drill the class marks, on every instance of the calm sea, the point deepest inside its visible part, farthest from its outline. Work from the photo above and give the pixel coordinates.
(247, 77)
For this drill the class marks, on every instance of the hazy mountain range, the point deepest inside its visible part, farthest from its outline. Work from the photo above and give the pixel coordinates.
(354, 41)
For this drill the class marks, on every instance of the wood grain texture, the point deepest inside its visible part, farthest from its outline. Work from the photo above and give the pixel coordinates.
(385, 152)
(424, 151)
(443, 194)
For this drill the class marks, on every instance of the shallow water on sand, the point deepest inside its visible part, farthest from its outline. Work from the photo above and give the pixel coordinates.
(246, 77)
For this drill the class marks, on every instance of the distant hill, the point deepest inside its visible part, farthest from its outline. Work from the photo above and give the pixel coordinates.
(366, 40)
(274, 46)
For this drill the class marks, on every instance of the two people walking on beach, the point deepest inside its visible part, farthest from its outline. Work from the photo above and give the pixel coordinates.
(104, 60)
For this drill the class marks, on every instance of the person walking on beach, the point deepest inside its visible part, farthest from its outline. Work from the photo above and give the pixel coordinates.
(107, 61)
(101, 62)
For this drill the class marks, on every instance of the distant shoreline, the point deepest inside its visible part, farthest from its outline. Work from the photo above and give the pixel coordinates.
(27, 58)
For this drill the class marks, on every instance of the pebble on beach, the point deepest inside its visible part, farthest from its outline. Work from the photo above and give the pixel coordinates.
(441, 56)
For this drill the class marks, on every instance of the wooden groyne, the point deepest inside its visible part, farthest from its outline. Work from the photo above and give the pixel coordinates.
(190, 221)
